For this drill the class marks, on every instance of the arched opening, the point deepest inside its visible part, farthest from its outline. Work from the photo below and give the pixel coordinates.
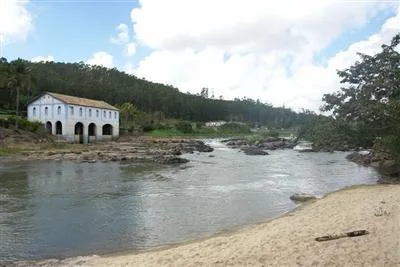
(49, 128)
(107, 131)
(79, 132)
(92, 132)
(58, 128)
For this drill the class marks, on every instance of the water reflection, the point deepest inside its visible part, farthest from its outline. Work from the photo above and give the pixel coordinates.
(59, 209)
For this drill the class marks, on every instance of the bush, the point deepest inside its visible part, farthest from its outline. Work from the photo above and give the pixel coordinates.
(147, 128)
(271, 133)
(234, 128)
(199, 125)
(23, 124)
(184, 127)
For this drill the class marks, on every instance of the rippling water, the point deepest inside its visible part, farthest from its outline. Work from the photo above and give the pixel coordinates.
(61, 209)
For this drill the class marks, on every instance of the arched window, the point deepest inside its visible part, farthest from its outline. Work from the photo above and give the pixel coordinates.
(34, 111)
(59, 110)
(71, 109)
(46, 111)
(80, 112)
(97, 113)
(115, 115)
(109, 114)
(104, 114)
(90, 112)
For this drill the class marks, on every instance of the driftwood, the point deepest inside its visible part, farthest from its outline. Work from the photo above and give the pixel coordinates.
(349, 234)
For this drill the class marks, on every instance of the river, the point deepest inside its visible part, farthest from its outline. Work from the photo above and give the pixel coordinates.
(62, 209)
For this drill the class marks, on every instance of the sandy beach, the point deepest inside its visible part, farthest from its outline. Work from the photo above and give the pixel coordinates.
(290, 239)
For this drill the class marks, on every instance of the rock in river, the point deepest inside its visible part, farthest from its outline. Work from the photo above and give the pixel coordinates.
(302, 197)
(254, 151)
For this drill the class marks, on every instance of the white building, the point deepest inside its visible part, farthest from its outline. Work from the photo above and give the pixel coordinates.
(76, 119)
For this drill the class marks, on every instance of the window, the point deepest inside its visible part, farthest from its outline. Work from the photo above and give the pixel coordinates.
(115, 115)
(97, 113)
(59, 110)
(109, 114)
(71, 110)
(34, 111)
(80, 112)
(104, 114)
(90, 112)
(46, 111)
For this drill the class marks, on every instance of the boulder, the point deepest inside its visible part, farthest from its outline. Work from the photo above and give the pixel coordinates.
(254, 151)
(302, 197)
(363, 158)
(171, 160)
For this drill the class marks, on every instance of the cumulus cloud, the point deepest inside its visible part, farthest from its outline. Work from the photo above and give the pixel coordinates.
(42, 59)
(101, 59)
(259, 49)
(15, 20)
(122, 36)
(130, 49)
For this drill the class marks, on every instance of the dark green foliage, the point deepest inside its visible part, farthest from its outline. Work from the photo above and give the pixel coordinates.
(12, 121)
(147, 128)
(326, 133)
(184, 127)
(367, 107)
(147, 98)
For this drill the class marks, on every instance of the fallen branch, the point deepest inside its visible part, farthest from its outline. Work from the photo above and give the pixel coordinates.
(349, 234)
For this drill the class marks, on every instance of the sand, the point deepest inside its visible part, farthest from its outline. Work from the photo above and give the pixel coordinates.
(290, 239)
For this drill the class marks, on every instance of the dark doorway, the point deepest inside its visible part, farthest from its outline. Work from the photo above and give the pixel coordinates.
(58, 128)
(79, 132)
(49, 128)
(92, 132)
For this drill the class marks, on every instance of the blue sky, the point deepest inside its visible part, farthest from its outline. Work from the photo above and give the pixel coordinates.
(281, 52)
(72, 30)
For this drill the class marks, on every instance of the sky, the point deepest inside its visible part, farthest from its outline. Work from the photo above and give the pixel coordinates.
(284, 53)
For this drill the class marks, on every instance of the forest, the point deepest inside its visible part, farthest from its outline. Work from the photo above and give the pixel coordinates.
(115, 87)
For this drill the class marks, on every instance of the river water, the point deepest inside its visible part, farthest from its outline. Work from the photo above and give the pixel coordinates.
(61, 209)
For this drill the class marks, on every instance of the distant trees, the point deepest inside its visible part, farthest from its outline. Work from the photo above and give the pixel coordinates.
(157, 100)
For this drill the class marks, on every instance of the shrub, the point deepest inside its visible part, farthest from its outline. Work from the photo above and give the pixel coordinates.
(234, 128)
(184, 127)
(23, 124)
(147, 128)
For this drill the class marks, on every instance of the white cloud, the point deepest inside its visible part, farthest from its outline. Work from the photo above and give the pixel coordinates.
(42, 59)
(258, 49)
(15, 20)
(101, 59)
(130, 49)
(122, 35)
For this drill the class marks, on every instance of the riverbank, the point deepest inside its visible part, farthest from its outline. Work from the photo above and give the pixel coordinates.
(290, 239)
(23, 146)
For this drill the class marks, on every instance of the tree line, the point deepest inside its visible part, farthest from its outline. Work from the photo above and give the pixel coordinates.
(115, 87)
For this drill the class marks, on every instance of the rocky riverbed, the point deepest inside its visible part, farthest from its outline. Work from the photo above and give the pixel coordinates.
(137, 149)
(260, 147)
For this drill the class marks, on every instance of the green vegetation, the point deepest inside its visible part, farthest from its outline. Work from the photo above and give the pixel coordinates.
(9, 151)
(366, 110)
(142, 103)
(184, 127)
(13, 121)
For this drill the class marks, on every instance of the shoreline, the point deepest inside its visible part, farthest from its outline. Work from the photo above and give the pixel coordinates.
(348, 209)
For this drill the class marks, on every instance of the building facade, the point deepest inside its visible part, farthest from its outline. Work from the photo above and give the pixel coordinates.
(78, 120)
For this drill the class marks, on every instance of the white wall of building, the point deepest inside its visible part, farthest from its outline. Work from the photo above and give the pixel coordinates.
(49, 109)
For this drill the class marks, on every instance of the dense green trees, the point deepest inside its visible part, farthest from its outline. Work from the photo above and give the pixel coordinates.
(369, 101)
(157, 100)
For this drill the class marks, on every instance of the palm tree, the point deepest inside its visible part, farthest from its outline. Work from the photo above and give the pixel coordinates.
(19, 78)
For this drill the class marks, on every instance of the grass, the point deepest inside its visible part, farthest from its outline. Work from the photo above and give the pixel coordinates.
(9, 151)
